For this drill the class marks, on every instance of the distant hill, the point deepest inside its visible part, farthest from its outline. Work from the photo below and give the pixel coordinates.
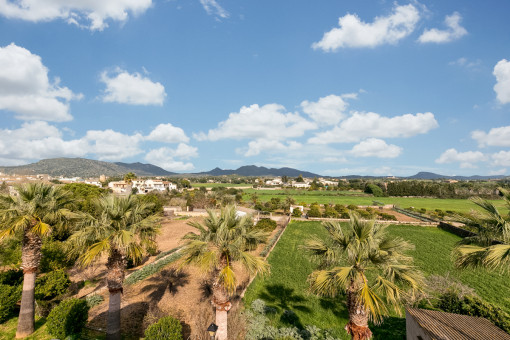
(142, 169)
(253, 170)
(81, 167)
(432, 176)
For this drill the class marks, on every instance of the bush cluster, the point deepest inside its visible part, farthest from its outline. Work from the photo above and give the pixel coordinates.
(68, 318)
(297, 213)
(167, 328)
(266, 224)
(9, 295)
(51, 285)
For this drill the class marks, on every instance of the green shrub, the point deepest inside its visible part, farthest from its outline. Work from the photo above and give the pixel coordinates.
(54, 257)
(364, 214)
(68, 318)
(11, 277)
(266, 224)
(374, 190)
(9, 295)
(94, 300)
(387, 217)
(314, 211)
(297, 212)
(51, 285)
(352, 207)
(167, 328)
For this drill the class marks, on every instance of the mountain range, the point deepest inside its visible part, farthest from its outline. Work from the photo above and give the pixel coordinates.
(81, 167)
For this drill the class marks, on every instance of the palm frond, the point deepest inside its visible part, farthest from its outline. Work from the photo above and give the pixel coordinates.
(373, 303)
(227, 278)
(330, 282)
(94, 251)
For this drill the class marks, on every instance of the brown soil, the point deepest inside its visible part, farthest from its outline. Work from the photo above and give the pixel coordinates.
(400, 217)
(183, 292)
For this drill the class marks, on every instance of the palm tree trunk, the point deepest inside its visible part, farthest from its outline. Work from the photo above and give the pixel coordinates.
(114, 280)
(222, 304)
(26, 319)
(358, 316)
(113, 322)
(30, 259)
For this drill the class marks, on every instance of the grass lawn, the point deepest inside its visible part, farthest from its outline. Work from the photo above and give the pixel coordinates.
(357, 198)
(286, 287)
(8, 330)
(214, 185)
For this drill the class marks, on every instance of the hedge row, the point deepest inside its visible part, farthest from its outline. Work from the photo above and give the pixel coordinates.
(165, 253)
(150, 269)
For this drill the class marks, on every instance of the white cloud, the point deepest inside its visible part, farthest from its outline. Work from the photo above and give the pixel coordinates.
(331, 159)
(455, 31)
(501, 158)
(134, 89)
(255, 147)
(496, 137)
(213, 8)
(270, 121)
(374, 147)
(383, 30)
(499, 172)
(112, 145)
(464, 62)
(327, 110)
(91, 14)
(167, 133)
(37, 140)
(26, 90)
(365, 125)
(502, 87)
(466, 159)
(165, 157)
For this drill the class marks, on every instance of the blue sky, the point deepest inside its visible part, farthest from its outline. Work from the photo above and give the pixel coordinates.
(333, 87)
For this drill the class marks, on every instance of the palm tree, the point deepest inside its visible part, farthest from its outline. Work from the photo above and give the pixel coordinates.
(34, 212)
(346, 258)
(480, 250)
(123, 227)
(222, 241)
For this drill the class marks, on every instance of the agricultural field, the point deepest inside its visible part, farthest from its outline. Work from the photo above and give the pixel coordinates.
(216, 185)
(286, 287)
(359, 198)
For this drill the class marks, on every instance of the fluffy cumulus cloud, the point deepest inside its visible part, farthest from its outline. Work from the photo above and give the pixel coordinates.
(167, 133)
(495, 137)
(467, 159)
(135, 89)
(112, 145)
(327, 110)
(453, 32)
(255, 147)
(91, 14)
(361, 125)
(37, 140)
(26, 90)
(352, 32)
(373, 147)
(502, 87)
(166, 157)
(213, 8)
(501, 158)
(270, 121)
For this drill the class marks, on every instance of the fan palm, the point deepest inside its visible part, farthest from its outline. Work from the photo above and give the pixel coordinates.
(223, 240)
(123, 227)
(480, 250)
(344, 260)
(33, 213)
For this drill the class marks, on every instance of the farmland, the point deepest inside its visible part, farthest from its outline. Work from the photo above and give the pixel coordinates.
(359, 198)
(286, 287)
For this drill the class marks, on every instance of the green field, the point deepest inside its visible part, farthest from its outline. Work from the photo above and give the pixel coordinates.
(216, 185)
(286, 287)
(357, 198)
